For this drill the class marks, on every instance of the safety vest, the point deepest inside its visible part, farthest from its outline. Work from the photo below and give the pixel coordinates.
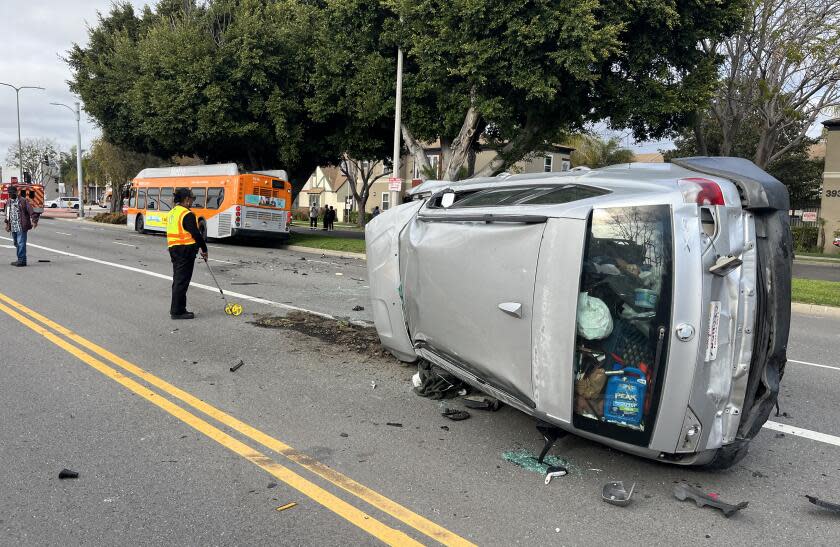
(175, 233)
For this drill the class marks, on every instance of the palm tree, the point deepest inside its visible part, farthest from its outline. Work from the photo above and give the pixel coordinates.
(594, 152)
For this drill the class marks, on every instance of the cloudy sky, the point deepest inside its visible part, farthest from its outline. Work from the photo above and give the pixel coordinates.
(35, 34)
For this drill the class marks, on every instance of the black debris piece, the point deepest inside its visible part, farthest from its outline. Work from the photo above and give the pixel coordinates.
(454, 414)
(272, 485)
(684, 491)
(43, 261)
(358, 308)
(616, 494)
(833, 507)
(303, 258)
(235, 367)
(436, 383)
(550, 433)
(343, 435)
(68, 474)
(445, 427)
(482, 402)
(244, 283)
(394, 424)
(78, 274)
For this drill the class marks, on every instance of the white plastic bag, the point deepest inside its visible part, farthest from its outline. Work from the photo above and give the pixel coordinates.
(594, 321)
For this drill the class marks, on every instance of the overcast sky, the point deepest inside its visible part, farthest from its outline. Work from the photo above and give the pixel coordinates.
(35, 34)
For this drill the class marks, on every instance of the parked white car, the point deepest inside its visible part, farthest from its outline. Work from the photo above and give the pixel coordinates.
(644, 306)
(68, 203)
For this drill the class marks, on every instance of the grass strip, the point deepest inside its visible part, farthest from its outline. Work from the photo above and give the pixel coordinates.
(812, 291)
(318, 241)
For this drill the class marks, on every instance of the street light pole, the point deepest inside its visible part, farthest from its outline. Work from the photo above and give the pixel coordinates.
(79, 177)
(17, 101)
(396, 196)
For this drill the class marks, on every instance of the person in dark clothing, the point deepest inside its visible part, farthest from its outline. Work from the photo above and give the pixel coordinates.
(332, 217)
(184, 240)
(325, 220)
(19, 219)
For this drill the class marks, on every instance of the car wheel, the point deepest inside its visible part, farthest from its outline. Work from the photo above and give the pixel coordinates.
(139, 225)
(76, 206)
(53, 206)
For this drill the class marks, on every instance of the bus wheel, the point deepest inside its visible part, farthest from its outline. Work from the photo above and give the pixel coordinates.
(202, 228)
(138, 225)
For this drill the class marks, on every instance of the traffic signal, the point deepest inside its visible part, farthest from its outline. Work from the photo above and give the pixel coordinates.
(27, 178)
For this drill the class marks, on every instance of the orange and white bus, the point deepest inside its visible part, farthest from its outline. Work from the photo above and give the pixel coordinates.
(227, 203)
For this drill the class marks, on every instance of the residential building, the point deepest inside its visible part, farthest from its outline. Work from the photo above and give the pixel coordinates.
(830, 206)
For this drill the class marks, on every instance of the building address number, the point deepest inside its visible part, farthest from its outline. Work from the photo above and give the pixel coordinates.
(832, 193)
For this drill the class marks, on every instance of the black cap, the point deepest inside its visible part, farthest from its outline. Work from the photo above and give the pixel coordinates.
(183, 193)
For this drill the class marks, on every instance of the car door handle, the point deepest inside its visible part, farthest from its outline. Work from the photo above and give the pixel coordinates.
(512, 308)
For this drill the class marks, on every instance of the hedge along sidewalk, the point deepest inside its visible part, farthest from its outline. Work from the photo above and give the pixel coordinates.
(812, 291)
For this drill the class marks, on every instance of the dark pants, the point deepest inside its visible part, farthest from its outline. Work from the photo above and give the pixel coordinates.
(183, 262)
(313, 222)
(19, 240)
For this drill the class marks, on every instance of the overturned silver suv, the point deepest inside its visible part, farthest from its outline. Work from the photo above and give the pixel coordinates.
(644, 306)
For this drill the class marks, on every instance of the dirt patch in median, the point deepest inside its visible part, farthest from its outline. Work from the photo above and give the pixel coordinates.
(362, 340)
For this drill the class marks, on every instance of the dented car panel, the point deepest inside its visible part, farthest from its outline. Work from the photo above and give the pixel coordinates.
(643, 306)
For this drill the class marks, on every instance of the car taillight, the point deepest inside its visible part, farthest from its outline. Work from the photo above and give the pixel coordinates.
(238, 208)
(701, 191)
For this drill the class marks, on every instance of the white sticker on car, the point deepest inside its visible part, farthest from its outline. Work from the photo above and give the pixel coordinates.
(712, 333)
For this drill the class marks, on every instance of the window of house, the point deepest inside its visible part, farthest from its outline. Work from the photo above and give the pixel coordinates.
(386, 200)
(548, 164)
(313, 200)
(365, 164)
(566, 165)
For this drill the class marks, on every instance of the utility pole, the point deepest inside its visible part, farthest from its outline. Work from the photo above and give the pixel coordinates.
(79, 177)
(20, 142)
(396, 197)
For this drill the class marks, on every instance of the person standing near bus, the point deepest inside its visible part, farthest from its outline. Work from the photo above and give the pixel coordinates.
(184, 241)
(19, 219)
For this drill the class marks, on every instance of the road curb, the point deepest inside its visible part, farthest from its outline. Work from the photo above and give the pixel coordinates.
(805, 258)
(815, 309)
(328, 252)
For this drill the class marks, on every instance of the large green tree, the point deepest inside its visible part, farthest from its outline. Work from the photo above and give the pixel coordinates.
(514, 75)
(298, 83)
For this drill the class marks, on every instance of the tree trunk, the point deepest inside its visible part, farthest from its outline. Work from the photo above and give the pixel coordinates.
(700, 135)
(513, 151)
(459, 150)
(417, 152)
(362, 204)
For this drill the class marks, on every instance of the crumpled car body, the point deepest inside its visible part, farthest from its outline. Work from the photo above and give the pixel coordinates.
(644, 306)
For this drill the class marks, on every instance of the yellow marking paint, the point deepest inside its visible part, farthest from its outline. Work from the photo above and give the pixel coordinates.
(335, 504)
(381, 502)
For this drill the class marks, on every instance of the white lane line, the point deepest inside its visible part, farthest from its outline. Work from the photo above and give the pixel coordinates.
(8, 246)
(806, 433)
(812, 364)
(193, 283)
(126, 244)
(223, 261)
(64, 234)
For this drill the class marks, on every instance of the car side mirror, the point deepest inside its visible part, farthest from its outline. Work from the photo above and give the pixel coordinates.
(447, 200)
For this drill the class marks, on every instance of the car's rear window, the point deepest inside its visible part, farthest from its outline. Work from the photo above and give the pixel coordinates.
(529, 195)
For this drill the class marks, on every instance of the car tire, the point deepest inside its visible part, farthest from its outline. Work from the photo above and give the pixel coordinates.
(139, 225)
(76, 206)
(53, 206)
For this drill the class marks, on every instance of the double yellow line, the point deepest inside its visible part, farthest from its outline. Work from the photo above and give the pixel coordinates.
(60, 335)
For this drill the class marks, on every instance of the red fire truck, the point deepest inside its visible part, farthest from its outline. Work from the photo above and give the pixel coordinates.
(33, 192)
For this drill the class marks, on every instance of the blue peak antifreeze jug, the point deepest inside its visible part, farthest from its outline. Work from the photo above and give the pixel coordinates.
(625, 398)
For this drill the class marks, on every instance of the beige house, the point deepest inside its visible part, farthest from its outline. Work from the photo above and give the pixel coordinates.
(328, 186)
(830, 207)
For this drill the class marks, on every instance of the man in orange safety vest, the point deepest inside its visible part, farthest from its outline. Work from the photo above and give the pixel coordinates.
(184, 240)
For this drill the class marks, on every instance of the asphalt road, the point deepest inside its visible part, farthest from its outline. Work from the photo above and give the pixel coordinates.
(825, 271)
(183, 451)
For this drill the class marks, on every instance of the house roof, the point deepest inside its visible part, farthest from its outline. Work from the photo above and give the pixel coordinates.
(832, 123)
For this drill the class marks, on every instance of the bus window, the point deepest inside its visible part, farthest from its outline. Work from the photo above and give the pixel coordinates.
(141, 198)
(152, 199)
(215, 197)
(166, 199)
(200, 194)
(132, 198)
